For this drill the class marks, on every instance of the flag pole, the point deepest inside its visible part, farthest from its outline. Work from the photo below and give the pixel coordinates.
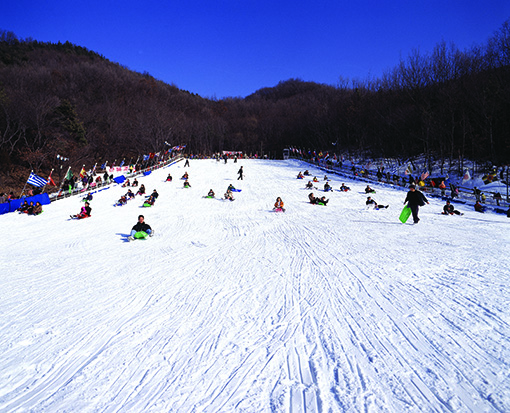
(25, 185)
(42, 191)
(62, 183)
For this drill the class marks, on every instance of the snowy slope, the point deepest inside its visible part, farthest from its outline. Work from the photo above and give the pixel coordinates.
(232, 307)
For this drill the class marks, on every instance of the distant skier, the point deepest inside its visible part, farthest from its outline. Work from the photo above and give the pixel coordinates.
(140, 226)
(415, 199)
(240, 172)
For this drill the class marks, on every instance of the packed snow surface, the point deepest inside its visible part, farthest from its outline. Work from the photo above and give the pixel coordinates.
(231, 307)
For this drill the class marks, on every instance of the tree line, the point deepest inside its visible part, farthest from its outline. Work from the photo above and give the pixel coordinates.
(60, 98)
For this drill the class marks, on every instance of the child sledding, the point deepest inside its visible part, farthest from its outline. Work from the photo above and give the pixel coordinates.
(84, 212)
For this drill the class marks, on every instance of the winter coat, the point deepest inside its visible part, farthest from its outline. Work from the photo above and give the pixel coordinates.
(141, 226)
(415, 198)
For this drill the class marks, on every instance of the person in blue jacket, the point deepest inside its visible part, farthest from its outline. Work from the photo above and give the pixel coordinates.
(415, 199)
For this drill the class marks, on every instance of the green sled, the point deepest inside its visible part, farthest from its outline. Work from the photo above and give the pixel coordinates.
(405, 214)
(141, 235)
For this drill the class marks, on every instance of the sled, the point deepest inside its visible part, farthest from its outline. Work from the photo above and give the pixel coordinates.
(405, 214)
(236, 190)
(146, 205)
(141, 235)
(278, 210)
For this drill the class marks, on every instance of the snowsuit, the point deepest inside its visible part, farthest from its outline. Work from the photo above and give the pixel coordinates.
(278, 204)
(415, 199)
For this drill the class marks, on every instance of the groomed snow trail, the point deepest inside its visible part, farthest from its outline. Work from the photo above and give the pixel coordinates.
(231, 307)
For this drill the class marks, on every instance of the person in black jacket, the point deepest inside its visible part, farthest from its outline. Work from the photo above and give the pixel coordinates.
(240, 172)
(448, 209)
(415, 199)
(140, 226)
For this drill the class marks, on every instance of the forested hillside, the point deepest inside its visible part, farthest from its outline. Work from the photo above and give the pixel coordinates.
(64, 99)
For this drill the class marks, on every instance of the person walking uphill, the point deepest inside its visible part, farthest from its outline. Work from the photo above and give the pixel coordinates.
(415, 199)
(240, 172)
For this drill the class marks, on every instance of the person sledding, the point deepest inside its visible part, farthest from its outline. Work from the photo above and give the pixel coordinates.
(306, 173)
(154, 194)
(210, 194)
(140, 230)
(278, 205)
(316, 200)
(479, 207)
(135, 182)
(185, 176)
(88, 198)
(37, 209)
(127, 183)
(186, 184)
(300, 175)
(23, 209)
(149, 201)
(169, 178)
(129, 194)
(344, 188)
(369, 190)
(122, 200)
(141, 190)
(326, 178)
(309, 185)
(84, 212)
(448, 209)
(371, 202)
(327, 187)
(315, 179)
(231, 188)
(229, 195)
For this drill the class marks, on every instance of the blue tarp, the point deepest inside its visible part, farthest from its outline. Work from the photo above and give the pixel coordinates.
(147, 173)
(119, 179)
(13, 205)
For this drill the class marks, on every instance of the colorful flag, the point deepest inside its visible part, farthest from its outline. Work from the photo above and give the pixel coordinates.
(424, 175)
(82, 172)
(69, 174)
(50, 180)
(36, 180)
(467, 176)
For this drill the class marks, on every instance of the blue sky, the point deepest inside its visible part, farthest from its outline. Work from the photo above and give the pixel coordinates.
(232, 48)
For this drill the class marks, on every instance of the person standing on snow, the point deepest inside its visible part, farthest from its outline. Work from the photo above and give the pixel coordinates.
(240, 172)
(415, 199)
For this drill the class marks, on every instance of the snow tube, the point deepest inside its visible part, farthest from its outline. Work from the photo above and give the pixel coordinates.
(146, 205)
(140, 235)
